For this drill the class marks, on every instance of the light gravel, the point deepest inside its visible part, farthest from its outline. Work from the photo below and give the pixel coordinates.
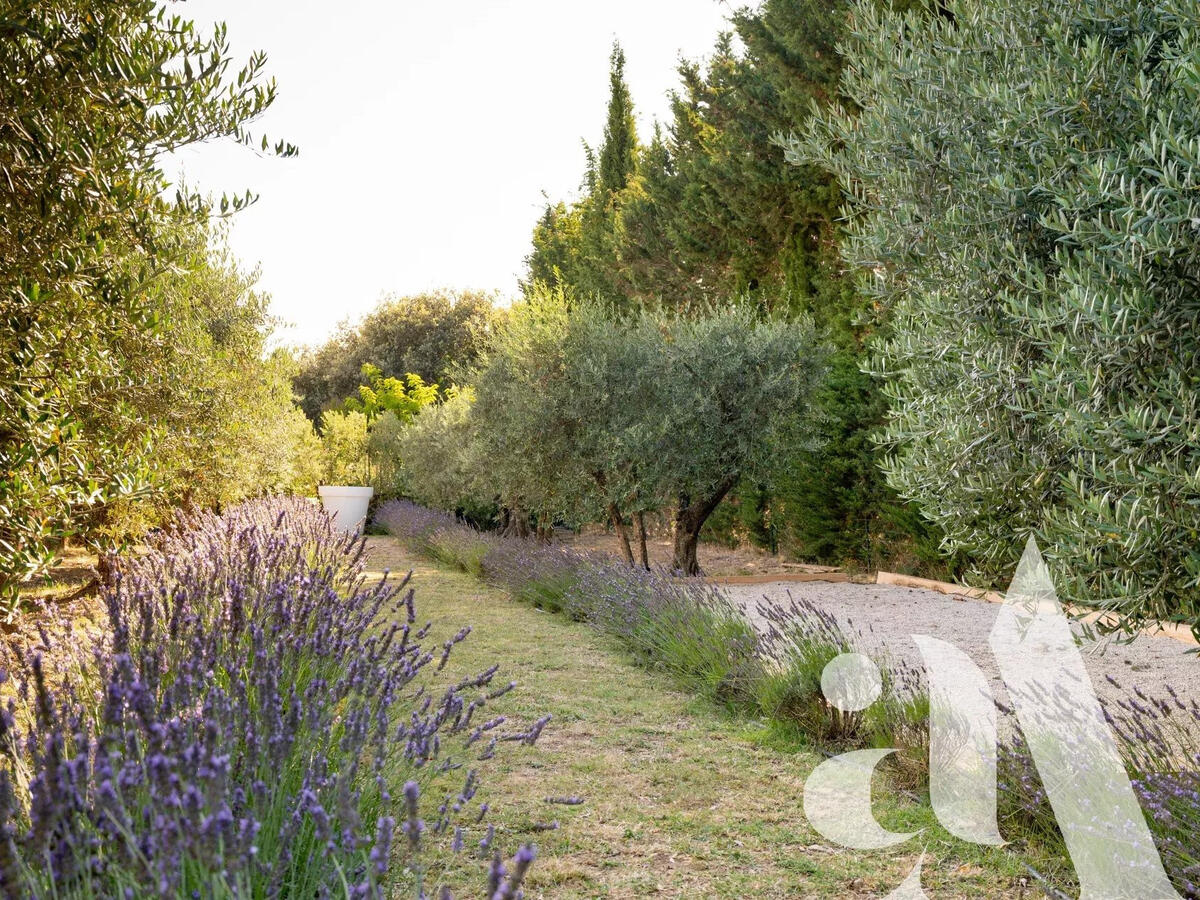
(880, 619)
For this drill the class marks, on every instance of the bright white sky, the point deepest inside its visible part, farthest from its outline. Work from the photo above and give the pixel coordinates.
(427, 132)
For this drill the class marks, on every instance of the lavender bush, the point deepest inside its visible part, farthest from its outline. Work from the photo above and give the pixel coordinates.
(241, 730)
(461, 547)
(1160, 737)
(414, 524)
(531, 572)
(539, 575)
(683, 626)
(800, 639)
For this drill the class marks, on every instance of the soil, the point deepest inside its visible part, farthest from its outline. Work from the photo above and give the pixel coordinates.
(59, 618)
(716, 560)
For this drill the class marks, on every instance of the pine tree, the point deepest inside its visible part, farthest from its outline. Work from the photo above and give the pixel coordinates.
(711, 210)
(575, 247)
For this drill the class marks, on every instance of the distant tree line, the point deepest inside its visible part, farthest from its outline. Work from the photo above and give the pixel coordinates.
(435, 336)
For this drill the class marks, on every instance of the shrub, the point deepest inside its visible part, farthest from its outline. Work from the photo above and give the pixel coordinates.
(800, 641)
(413, 524)
(684, 627)
(244, 727)
(535, 574)
(383, 453)
(1160, 740)
(344, 449)
(461, 547)
(440, 466)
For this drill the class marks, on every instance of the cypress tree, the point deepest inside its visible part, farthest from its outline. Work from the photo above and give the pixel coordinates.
(618, 155)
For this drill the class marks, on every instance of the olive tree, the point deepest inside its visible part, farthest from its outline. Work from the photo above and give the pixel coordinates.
(733, 387)
(587, 413)
(610, 395)
(437, 454)
(1021, 183)
(92, 96)
(205, 390)
(568, 406)
(524, 437)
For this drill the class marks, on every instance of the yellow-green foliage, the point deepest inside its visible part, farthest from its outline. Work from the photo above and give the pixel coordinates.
(344, 448)
(95, 97)
(403, 397)
(213, 405)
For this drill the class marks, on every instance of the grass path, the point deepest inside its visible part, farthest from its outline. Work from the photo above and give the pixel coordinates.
(681, 801)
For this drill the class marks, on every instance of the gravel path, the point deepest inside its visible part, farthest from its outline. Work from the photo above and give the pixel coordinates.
(880, 618)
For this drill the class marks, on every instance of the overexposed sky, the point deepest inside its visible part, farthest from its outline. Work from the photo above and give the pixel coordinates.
(427, 132)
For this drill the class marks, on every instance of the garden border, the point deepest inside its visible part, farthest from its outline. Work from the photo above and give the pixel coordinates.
(1172, 630)
(1167, 629)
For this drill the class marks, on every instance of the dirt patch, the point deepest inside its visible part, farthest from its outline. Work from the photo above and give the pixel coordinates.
(715, 559)
(59, 618)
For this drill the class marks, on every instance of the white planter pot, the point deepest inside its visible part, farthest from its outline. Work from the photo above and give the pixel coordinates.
(346, 505)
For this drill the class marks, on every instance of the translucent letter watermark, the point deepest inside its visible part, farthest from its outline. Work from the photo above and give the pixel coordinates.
(1060, 716)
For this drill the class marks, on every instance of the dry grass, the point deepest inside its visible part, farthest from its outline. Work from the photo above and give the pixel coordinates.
(681, 801)
(57, 606)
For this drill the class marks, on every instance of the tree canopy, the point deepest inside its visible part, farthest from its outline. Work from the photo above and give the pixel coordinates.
(434, 336)
(711, 210)
(1032, 240)
(91, 99)
(583, 411)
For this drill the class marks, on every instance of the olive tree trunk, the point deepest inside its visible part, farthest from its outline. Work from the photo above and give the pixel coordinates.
(516, 523)
(690, 517)
(618, 521)
(622, 532)
(641, 531)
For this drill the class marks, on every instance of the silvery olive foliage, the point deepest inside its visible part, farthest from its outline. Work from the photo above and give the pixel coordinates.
(435, 453)
(583, 412)
(92, 98)
(520, 433)
(1023, 208)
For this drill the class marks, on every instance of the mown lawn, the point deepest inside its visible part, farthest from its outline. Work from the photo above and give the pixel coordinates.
(680, 799)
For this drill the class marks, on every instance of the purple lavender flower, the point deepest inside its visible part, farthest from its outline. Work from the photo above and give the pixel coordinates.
(240, 725)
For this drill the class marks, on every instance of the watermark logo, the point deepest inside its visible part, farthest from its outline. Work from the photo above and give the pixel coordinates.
(1063, 724)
